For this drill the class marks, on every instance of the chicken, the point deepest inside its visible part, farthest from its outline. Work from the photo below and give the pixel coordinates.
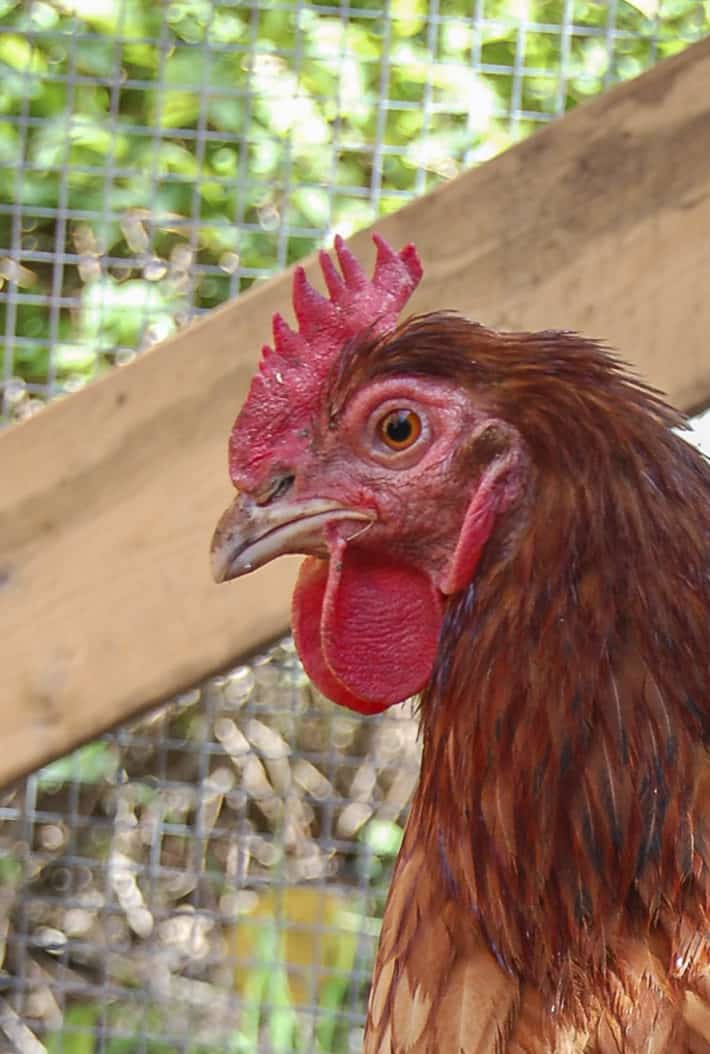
(509, 525)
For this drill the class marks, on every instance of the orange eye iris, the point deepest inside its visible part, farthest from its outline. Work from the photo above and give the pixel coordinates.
(400, 429)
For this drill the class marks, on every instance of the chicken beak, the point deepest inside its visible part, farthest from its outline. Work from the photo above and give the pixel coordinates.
(248, 535)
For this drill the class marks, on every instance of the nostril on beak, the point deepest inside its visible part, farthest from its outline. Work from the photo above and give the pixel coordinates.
(279, 486)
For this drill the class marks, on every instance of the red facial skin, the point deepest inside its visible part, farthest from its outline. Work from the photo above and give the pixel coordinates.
(353, 465)
(367, 612)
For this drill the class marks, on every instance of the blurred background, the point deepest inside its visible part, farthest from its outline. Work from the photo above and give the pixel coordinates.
(211, 877)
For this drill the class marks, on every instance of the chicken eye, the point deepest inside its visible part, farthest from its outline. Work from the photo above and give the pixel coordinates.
(400, 429)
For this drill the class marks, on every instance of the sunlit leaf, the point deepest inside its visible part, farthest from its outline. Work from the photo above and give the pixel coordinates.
(648, 8)
(74, 357)
(89, 764)
(383, 837)
(116, 312)
(18, 53)
(409, 16)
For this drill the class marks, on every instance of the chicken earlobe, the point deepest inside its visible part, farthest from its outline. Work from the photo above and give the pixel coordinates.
(497, 448)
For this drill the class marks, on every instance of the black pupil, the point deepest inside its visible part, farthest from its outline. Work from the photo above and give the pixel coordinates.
(399, 427)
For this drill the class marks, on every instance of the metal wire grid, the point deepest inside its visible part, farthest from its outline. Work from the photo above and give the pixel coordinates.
(201, 146)
(211, 877)
(208, 878)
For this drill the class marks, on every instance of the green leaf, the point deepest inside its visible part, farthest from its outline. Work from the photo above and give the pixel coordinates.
(227, 28)
(77, 1035)
(409, 16)
(383, 837)
(92, 763)
(108, 16)
(74, 358)
(114, 313)
(176, 109)
(19, 54)
(648, 8)
(311, 205)
(9, 144)
(92, 134)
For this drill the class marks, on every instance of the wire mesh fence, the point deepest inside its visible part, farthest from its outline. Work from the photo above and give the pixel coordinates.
(212, 876)
(159, 158)
(208, 878)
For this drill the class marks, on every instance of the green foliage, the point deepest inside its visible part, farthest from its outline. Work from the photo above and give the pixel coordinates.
(89, 764)
(83, 1023)
(175, 152)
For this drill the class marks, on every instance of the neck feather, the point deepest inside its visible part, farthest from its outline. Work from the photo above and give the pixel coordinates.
(568, 704)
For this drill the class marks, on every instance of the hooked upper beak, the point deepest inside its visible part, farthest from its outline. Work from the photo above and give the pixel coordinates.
(248, 535)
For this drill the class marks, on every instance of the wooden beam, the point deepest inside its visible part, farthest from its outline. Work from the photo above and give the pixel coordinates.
(109, 497)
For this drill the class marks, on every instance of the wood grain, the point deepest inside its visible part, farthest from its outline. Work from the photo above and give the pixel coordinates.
(598, 223)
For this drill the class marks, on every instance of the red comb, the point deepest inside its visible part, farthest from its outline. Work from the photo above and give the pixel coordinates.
(285, 393)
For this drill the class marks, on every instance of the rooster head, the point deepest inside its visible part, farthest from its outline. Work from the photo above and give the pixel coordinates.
(389, 480)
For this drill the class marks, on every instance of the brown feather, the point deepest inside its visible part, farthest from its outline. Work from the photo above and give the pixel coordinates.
(553, 893)
(436, 986)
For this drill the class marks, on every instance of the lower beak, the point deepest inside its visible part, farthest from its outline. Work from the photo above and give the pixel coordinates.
(249, 535)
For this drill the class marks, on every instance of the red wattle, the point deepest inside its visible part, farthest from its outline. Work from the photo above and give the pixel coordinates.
(306, 614)
(366, 629)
